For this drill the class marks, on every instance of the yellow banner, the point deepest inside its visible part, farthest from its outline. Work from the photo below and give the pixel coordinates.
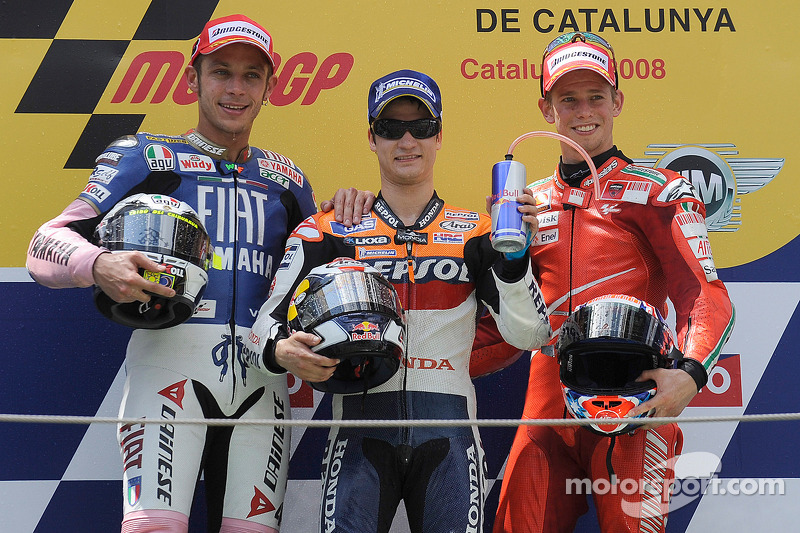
(708, 92)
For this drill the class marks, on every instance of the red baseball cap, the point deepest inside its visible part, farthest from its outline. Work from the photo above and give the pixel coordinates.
(574, 51)
(232, 29)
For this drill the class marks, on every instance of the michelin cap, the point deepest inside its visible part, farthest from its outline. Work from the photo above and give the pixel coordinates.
(578, 50)
(232, 29)
(404, 83)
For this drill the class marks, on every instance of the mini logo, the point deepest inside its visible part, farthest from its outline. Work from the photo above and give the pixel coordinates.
(717, 176)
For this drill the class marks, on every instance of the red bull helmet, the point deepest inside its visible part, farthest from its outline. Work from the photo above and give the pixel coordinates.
(357, 314)
(603, 346)
(169, 232)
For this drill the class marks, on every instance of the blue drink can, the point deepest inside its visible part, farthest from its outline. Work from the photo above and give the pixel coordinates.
(508, 229)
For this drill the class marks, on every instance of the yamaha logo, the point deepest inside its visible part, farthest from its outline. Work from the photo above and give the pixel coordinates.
(717, 177)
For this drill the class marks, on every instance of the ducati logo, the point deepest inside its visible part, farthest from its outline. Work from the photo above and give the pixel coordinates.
(717, 177)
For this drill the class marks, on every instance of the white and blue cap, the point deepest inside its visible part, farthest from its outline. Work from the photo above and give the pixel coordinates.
(404, 83)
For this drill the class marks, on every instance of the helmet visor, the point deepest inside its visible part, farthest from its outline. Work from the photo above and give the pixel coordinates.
(348, 291)
(162, 232)
(616, 321)
(609, 370)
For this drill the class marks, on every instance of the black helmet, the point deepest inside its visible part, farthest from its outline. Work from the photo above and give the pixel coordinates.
(358, 315)
(169, 232)
(603, 346)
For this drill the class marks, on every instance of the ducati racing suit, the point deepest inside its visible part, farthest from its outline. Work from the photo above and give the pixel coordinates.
(645, 237)
(195, 369)
(441, 267)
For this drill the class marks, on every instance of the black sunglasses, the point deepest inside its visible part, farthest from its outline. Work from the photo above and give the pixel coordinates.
(422, 128)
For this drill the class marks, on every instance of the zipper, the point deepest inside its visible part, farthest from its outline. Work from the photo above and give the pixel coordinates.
(232, 322)
(405, 431)
(571, 250)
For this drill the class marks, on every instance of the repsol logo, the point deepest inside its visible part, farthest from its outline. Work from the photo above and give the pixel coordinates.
(303, 75)
(429, 269)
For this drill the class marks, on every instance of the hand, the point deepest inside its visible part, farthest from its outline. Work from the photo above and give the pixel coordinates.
(676, 389)
(118, 276)
(529, 210)
(349, 205)
(295, 355)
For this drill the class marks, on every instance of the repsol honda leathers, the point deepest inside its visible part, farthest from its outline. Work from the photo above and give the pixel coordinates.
(443, 268)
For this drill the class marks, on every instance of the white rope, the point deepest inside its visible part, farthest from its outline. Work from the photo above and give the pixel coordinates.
(63, 419)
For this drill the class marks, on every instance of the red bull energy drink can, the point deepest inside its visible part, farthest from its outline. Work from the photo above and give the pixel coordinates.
(508, 229)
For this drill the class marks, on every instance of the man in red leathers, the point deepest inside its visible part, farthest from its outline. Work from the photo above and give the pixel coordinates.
(645, 236)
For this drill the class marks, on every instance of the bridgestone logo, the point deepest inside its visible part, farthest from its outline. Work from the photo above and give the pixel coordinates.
(582, 52)
(225, 30)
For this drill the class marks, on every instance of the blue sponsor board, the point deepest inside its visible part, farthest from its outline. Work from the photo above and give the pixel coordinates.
(62, 357)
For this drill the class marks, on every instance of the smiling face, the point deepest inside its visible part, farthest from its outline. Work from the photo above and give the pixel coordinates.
(582, 105)
(406, 161)
(231, 86)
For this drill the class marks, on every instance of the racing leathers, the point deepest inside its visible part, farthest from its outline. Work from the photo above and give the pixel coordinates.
(645, 236)
(249, 203)
(443, 267)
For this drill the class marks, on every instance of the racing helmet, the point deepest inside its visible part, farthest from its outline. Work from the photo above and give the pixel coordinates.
(169, 232)
(603, 346)
(357, 314)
